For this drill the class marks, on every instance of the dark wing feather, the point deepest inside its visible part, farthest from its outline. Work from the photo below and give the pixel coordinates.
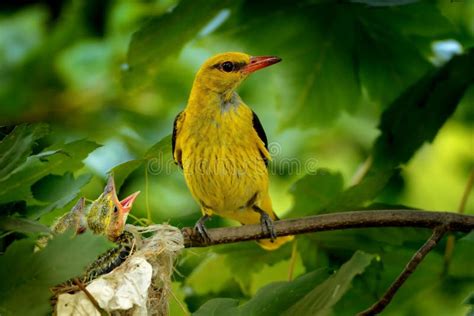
(257, 126)
(173, 139)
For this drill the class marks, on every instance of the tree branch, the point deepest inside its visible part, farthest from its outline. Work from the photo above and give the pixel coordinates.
(380, 305)
(334, 221)
(91, 298)
(440, 222)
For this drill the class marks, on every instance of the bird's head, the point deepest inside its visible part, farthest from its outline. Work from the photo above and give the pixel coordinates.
(78, 216)
(75, 219)
(224, 72)
(108, 214)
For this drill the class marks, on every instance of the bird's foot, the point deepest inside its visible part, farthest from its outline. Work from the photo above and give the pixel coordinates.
(267, 223)
(201, 229)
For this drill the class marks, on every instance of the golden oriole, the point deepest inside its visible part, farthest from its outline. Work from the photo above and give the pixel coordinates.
(221, 146)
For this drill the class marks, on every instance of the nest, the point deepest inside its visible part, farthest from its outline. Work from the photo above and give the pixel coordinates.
(140, 285)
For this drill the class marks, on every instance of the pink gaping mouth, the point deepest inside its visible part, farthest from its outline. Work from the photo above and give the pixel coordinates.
(128, 201)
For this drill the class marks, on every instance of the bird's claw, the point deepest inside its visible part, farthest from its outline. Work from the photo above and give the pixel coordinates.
(201, 229)
(267, 225)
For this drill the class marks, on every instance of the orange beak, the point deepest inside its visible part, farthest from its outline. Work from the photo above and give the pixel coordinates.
(127, 203)
(259, 62)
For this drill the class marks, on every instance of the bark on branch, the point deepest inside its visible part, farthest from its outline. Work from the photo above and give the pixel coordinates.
(439, 222)
(334, 221)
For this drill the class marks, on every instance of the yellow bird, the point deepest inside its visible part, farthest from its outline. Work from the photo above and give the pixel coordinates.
(221, 146)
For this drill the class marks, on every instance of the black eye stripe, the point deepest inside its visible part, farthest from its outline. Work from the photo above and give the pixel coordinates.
(237, 66)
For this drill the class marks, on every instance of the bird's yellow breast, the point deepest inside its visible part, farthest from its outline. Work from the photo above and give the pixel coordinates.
(221, 159)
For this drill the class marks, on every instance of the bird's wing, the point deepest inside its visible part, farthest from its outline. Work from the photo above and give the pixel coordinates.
(176, 151)
(257, 126)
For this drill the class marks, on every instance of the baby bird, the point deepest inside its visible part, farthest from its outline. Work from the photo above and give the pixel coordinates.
(107, 215)
(74, 219)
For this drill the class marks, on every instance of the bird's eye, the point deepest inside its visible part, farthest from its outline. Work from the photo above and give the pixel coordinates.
(115, 209)
(227, 66)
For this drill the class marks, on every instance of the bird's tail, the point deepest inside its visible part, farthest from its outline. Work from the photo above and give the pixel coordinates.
(276, 243)
(268, 244)
(254, 215)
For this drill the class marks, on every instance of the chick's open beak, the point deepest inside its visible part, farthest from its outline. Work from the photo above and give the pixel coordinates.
(259, 62)
(127, 203)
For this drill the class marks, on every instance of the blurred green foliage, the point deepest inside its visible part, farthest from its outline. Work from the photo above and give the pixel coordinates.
(310, 294)
(25, 275)
(370, 108)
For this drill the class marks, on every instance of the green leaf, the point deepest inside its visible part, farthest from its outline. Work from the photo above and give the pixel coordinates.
(424, 293)
(159, 150)
(27, 275)
(69, 157)
(22, 225)
(349, 51)
(16, 146)
(269, 300)
(157, 158)
(323, 192)
(309, 294)
(314, 192)
(176, 303)
(385, 56)
(462, 253)
(76, 151)
(86, 66)
(323, 297)
(17, 207)
(221, 271)
(411, 20)
(122, 171)
(53, 187)
(329, 64)
(356, 196)
(276, 297)
(430, 101)
(386, 51)
(210, 276)
(21, 33)
(468, 238)
(311, 256)
(57, 191)
(164, 36)
(380, 3)
(218, 307)
(250, 255)
(334, 246)
(416, 116)
(470, 302)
